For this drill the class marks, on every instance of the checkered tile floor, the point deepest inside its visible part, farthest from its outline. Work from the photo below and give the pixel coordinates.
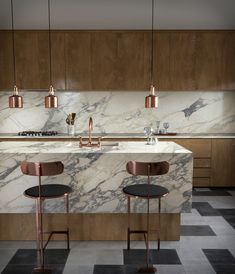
(207, 245)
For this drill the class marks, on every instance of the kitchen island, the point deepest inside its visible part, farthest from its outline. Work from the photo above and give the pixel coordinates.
(97, 175)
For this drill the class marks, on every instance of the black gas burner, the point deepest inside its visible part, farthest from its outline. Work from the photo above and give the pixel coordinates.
(37, 133)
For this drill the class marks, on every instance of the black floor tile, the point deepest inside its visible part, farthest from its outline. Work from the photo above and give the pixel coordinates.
(138, 256)
(205, 209)
(221, 260)
(115, 269)
(227, 211)
(25, 260)
(230, 220)
(196, 230)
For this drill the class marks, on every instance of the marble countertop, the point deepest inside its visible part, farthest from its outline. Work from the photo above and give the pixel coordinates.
(124, 135)
(73, 148)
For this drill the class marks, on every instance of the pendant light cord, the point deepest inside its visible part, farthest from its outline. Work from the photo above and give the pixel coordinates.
(49, 36)
(13, 41)
(152, 38)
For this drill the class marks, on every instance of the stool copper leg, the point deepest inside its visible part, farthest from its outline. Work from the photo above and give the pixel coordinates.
(40, 248)
(67, 218)
(148, 268)
(159, 223)
(129, 221)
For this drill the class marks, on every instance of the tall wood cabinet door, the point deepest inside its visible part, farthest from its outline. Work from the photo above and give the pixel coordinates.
(104, 69)
(78, 60)
(223, 162)
(133, 61)
(208, 68)
(120, 60)
(182, 60)
(6, 61)
(58, 59)
(32, 59)
(228, 61)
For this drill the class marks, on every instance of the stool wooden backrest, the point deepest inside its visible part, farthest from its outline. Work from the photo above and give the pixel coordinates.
(42, 169)
(147, 168)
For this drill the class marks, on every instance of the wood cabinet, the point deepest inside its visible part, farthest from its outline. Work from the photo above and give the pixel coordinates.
(6, 61)
(32, 59)
(223, 162)
(174, 58)
(120, 60)
(202, 151)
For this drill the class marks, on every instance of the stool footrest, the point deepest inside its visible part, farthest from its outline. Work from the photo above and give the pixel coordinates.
(54, 232)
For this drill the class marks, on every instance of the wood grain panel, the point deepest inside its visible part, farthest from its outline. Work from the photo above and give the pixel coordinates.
(58, 59)
(32, 59)
(78, 60)
(182, 60)
(202, 182)
(201, 148)
(104, 60)
(6, 61)
(202, 162)
(223, 162)
(162, 60)
(108, 226)
(132, 61)
(208, 68)
(228, 64)
(201, 172)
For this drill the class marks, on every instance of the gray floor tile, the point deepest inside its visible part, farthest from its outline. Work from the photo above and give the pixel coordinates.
(110, 257)
(78, 269)
(6, 255)
(170, 269)
(202, 268)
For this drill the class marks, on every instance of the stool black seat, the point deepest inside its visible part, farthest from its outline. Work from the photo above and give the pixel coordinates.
(48, 191)
(146, 191)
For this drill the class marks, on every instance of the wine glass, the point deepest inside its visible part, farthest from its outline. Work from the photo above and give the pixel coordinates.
(148, 132)
(166, 125)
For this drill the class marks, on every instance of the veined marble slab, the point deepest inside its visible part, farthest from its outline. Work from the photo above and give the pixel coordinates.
(115, 112)
(97, 175)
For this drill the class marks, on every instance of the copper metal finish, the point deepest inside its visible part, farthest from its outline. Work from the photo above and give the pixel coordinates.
(51, 101)
(44, 169)
(146, 169)
(151, 101)
(15, 101)
(90, 143)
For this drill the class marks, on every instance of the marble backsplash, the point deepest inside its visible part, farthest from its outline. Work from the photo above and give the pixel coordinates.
(122, 112)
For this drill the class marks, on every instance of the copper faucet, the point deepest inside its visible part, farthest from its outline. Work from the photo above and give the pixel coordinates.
(90, 143)
(90, 128)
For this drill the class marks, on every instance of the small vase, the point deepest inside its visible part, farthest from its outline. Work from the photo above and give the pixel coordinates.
(71, 130)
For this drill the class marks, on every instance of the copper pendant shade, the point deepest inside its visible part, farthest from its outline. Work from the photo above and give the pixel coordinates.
(151, 101)
(51, 101)
(15, 101)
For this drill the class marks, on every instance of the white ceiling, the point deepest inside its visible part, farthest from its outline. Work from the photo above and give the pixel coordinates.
(119, 14)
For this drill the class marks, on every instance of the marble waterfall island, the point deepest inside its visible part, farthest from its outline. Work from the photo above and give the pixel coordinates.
(97, 176)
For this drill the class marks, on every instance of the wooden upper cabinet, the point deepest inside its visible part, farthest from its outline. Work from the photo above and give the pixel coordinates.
(32, 59)
(6, 61)
(228, 61)
(58, 60)
(78, 60)
(208, 63)
(119, 60)
(174, 59)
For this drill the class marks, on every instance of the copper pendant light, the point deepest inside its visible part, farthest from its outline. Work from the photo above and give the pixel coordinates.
(151, 101)
(15, 101)
(51, 101)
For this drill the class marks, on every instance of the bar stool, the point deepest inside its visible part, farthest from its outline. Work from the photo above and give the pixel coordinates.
(146, 191)
(41, 193)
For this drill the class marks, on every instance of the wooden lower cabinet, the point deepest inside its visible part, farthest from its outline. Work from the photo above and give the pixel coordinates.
(223, 162)
(213, 161)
